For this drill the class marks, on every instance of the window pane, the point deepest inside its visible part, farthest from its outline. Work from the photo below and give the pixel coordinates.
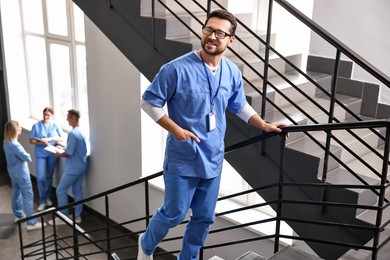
(32, 16)
(78, 15)
(82, 87)
(57, 21)
(37, 72)
(61, 81)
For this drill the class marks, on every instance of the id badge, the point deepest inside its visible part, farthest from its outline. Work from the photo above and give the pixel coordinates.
(211, 121)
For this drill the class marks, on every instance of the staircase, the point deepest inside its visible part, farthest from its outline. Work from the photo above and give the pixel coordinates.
(299, 100)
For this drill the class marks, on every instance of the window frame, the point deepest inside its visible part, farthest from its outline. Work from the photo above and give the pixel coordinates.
(69, 40)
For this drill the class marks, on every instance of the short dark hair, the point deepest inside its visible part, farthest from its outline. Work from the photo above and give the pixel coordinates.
(223, 14)
(75, 113)
(48, 109)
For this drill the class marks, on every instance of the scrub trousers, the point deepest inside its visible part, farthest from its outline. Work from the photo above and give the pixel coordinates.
(76, 182)
(22, 197)
(44, 170)
(181, 194)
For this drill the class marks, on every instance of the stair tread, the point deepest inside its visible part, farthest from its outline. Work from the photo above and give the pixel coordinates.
(293, 253)
(308, 146)
(373, 160)
(250, 256)
(343, 176)
(280, 83)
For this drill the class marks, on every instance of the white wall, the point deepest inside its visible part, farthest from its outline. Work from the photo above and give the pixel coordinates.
(115, 123)
(362, 25)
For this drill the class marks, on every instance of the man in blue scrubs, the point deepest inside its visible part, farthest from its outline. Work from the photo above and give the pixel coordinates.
(197, 87)
(75, 167)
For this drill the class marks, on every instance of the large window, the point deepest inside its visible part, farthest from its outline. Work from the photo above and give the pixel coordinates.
(52, 49)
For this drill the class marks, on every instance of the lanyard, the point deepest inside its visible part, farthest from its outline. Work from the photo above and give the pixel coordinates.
(212, 99)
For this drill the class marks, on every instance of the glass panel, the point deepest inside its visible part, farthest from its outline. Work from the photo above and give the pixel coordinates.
(78, 22)
(32, 16)
(82, 88)
(61, 80)
(57, 21)
(37, 73)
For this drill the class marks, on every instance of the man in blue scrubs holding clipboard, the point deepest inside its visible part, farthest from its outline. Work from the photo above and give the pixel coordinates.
(197, 87)
(75, 167)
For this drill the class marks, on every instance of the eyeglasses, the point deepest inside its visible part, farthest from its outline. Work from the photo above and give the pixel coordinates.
(218, 34)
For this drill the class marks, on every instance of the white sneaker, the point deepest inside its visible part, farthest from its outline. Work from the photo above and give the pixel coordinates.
(78, 220)
(17, 219)
(58, 221)
(37, 225)
(49, 203)
(141, 254)
(41, 207)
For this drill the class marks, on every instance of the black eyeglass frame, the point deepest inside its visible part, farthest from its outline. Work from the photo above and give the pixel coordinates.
(218, 33)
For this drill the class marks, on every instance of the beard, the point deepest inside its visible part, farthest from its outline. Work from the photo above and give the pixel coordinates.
(218, 48)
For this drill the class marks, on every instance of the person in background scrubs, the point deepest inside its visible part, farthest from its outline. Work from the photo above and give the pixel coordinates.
(43, 133)
(75, 168)
(197, 87)
(17, 159)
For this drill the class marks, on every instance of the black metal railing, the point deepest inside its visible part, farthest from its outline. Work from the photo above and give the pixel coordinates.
(70, 245)
(50, 242)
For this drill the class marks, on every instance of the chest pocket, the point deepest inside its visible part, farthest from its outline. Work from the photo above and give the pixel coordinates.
(195, 104)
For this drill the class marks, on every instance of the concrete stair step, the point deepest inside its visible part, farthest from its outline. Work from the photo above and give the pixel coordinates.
(160, 10)
(351, 142)
(292, 253)
(276, 116)
(383, 253)
(373, 160)
(257, 65)
(308, 146)
(279, 83)
(363, 196)
(317, 114)
(250, 256)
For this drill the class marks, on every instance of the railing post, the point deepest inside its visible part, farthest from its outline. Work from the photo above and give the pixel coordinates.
(208, 7)
(107, 206)
(75, 236)
(153, 24)
(55, 236)
(378, 222)
(21, 240)
(330, 120)
(43, 239)
(280, 193)
(266, 64)
(266, 58)
(147, 211)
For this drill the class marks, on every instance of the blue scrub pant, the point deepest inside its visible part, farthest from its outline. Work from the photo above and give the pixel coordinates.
(22, 197)
(182, 193)
(44, 168)
(67, 181)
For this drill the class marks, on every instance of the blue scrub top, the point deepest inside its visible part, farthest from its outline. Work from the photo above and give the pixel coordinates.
(16, 158)
(184, 86)
(41, 130)
(76, 146)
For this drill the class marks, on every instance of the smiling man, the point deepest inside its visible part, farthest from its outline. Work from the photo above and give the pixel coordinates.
(197, 87)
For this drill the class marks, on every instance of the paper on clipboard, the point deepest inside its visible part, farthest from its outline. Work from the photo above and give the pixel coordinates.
(53, 149)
